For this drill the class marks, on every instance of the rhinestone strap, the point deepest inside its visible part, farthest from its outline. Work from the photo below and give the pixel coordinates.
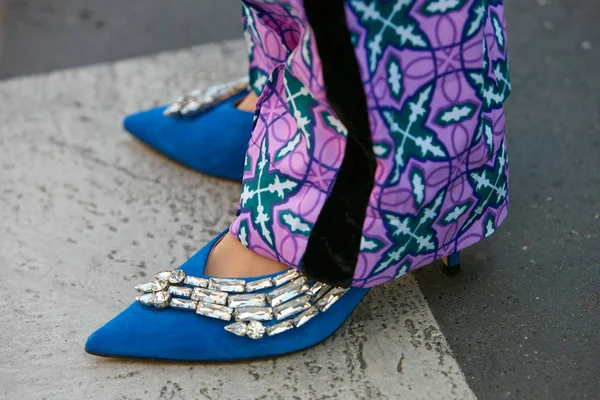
(201, 100)
(290, 301)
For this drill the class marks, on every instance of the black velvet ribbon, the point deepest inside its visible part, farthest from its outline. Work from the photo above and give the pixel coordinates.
(334, 243)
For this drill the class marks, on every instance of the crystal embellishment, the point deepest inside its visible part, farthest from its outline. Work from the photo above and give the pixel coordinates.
(161, 299)
(331, 297)
(318, 290)
(291, 307)
(280, 327)
(285, 277)
(247, 300)
(227, 285)
(184, 304)
(237, 328)
(180, 291)
(287, 292)
(214, 311)
(146, 299)
(190, 108)
(259, 284)
(201, 100)
(173, 109)
(163, 275)
(152, 287)
(209, 296)
(176, 276)
(253, 314)
(315, 288)
(305, 316)
(255, 330)
(198, 282)
(288, 300)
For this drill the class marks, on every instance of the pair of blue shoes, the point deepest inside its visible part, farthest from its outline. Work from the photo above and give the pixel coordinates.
(186, 315)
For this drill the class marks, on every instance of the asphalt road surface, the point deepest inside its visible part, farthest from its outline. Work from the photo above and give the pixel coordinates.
(523, 317)
(44, 35)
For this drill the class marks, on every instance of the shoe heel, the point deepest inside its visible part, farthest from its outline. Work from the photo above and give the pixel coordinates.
(451, 264)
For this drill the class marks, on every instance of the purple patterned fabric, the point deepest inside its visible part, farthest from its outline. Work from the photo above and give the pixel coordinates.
(435, 75)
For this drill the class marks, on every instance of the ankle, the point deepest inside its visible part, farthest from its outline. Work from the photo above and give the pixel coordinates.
(230, 259)
(248, 103)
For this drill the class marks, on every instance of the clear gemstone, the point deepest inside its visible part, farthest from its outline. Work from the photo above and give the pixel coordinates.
(214, 311)
(247, 300)
(163, 275)
(253, 313)
(227, 285)
(196, 93)
(324, 288)
(287, 292)
(176, 276)
(237, 328)
(146, 299)
(209, 98)
(145, 287)
(216, 91)
(181, 291)
(183, 304)
(279, 327)
(190, 108)
(149, 287)
(194, 281)
(306, 316)
(316, 287)
(285, 277)
(331, 297)
(213, 91)
(209, 296)
(259, 284)
(291, 307)
(173, 109)
(161, 299)
(255, 330)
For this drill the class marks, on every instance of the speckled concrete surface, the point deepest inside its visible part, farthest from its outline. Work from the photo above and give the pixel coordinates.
(87, 212)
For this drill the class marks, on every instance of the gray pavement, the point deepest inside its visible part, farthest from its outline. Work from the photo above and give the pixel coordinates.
(522, 319)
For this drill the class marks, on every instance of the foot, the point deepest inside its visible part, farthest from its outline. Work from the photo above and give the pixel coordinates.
(248, 103)
(199, 142)
(195, 317)
(231, 259)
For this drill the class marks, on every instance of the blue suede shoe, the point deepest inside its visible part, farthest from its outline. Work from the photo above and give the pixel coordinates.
(205, 132)
(185, 315)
